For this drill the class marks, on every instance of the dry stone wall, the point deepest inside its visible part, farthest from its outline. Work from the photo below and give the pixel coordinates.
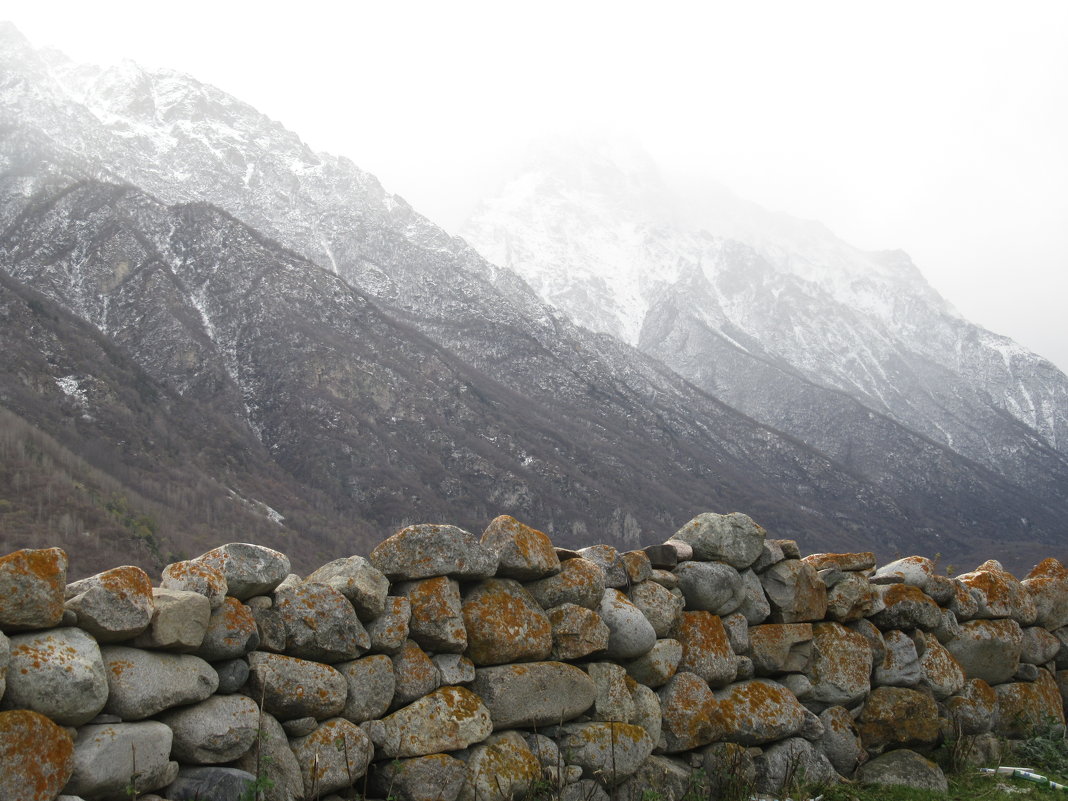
(446, 667)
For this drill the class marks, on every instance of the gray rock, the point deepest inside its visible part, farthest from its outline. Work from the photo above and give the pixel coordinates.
(1047, 584)
(389, 631)
(795, 592)
(583, 790)
(905, 607)
(365, 586)
(233, 673)
(755, 606)
(533, 694)
(840, 668)
(706, 651)
(232, 632)
(425, 551)
(630, 633)
(296, 688)
(218, 784)
(523, 553)
(901, 664)
(220, 729)
(320, 623)
(840, 742)
(973, 709)
(948, 629)
(780, 648)
(454, 668)
(198, 577)
(613, 700)
(795, 758)
(770, 554)
(607, 752)
(448, 719)
(733, 538)
(144, 683)
(332, 757)
(662, 557)
(106, 756)
(580, 582)
(690, 714)
(710, 586)
(505, 624)
(647, 712)
(32, 583)
(737, 628)
(660, 606)
(179, 621)
(301, 727)
(5, 658)
(576, 632)
(1038, 646)
(371, 684)
(851, 599)
(913, 570)
(269, 624)
(414, 675)
(57, 672)
(437, 622)
(1000, 594)
(610, 561)
(658, 665)
(759, 711)
(249, 569)
(672, 779)
(665, 578)
(903, 768)
(988, 649)
(436, 777)
(114, 605)
(500, 769)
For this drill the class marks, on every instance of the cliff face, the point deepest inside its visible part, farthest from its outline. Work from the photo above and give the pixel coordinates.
(453, 666)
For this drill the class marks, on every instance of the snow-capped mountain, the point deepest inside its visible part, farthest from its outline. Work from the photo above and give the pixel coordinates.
(392, 373)
(720, 289)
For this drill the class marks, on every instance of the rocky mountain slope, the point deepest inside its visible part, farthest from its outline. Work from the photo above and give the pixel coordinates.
(383, 365)
(849, 351)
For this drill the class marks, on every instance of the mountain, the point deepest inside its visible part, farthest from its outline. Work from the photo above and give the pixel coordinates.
(852, 352)
(383, 370)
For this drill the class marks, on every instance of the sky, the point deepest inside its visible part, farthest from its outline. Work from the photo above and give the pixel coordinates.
(937, 128)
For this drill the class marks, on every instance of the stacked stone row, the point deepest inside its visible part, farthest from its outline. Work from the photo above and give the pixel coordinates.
(454, 668)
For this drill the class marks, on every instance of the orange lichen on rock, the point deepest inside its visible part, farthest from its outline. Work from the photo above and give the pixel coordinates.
(36, 756)
(32, 583)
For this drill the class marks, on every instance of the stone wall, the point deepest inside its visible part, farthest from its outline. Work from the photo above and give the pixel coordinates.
(444, 667)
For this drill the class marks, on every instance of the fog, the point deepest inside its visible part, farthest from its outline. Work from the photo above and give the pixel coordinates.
(935, 128)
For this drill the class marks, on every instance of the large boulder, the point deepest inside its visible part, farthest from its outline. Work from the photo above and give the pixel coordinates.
(32, 583)
(232, 632)
(107, 756)
(534, 693)
(795, 591)
(36, 756)
(733, 538)
(1038, 646)
(505, 624)
(500, 769)
(940, 672)
(790, 760)
(179, 621)
(901, 664)
(706, 651)
(292, 688)
(144, 683)
(903, 768)
(897, 717)
(523, 553)
(607, 752)
(425, 551)
(1047, 584)
(903, 607)
(1027, 709)
(448, 719)
(577, 632)
(988, 649)
(114, 605)
(1000, 594)
(357, 579)
(660, 605)
(437, 622)
(655, 667)
(435, 777)
(414, 674)
(840, 668)
(780, 647)
(841, 742)
(973, 709)
(57, 672)
(630, 634)
(220, 729)
(332, 757)
(710, 586)
(580, 582)
(613, 699)
(371, 684)
(198, 577)
(916, 571)
(690, 714)
(320, 623)
(249, 569)
(759, 711)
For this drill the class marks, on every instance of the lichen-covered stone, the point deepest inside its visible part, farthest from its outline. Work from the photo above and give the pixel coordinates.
(364, 585)
(580, 582)
(196, 576)
(710, 587)
(505, 624)
(655, 667)
(428, 550)
(389, 631)
(1000, 594)
(905, 607)
(792, 758)
(144, 683)
(840, 667)
(988, 649)
(58, 673)
(613, 700)
(249, 569)
(448, 719)
(1038, 646)
(973, 708)
(435, 777)
(780, 648)
(607, 752)
(864, 560)
(904, 768)
(759, 711)
(320, 623)
(851, 599)
(179, 621)
(576, 631)
(901, 664)
(219, 729)
(690, 714)
(1047, 584)
(660, 606)
(500, 769)
(114, 605)
(755, 607)
(840, 742)
(36, 756)
(534, 693)
(630, 634)
(795, 592)
(296, 688)
(916, 571)
(414, 674)
(898, 717)
(454, 668)
(332, 757)
(733, 538)
(232, 632)
(523, 553)
(437, 622)
(1026, 709)
(940, 672)
(610, 561)
(371, 685)
(706, 651)
(32, 583)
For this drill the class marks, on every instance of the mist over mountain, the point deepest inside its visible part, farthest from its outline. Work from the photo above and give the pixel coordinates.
(377, 371)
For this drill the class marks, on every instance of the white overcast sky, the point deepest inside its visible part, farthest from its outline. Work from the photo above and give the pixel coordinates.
(937, 127)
